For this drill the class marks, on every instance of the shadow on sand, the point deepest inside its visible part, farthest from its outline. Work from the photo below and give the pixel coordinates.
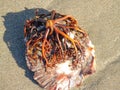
(14, 37)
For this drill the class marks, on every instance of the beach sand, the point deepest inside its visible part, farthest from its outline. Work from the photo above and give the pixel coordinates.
(101, 19)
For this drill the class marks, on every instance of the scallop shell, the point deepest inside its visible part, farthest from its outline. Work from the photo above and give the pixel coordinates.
(65, 73)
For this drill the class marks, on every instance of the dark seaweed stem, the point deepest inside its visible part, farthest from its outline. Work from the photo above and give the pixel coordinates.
(57, 35)
(57, 27)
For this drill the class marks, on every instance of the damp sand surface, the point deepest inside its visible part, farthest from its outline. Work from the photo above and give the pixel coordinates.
(101, 19)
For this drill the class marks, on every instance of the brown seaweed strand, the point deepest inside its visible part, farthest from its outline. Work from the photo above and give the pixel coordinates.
(66, 36)
(57, 35)
(43, 46)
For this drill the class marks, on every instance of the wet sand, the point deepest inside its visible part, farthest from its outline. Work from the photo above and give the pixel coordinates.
(101, 19)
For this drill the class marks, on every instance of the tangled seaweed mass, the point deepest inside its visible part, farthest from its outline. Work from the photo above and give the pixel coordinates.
(58, 51)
